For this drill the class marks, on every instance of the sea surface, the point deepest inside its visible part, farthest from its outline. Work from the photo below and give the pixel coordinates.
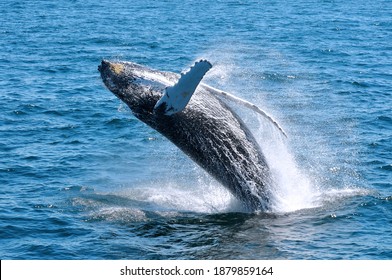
(82, 178)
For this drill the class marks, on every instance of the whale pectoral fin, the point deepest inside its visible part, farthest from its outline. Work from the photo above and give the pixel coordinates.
(177, 97)
(245, 103)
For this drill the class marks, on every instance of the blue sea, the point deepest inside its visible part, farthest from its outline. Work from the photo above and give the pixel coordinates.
(82, 178)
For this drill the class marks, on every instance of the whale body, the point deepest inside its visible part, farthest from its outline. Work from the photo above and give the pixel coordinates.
(200, 123)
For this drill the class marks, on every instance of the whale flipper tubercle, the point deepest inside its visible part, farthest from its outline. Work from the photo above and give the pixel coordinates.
(176, 97)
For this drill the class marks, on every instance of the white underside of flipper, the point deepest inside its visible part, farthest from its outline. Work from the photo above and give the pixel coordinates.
(177, 97)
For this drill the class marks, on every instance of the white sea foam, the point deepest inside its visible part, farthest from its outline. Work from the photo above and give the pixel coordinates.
(292, 189)
(201, 197)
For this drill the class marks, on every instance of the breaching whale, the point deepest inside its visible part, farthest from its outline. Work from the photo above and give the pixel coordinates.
(198, 120)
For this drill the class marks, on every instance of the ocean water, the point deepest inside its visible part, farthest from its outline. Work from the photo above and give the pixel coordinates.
(82, 178)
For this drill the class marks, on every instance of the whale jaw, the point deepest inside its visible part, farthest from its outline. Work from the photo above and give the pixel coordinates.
(130, 82)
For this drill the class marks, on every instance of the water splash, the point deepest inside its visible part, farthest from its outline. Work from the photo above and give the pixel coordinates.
(165, 198)
(205, 196)
(296, 184)
(293, 189)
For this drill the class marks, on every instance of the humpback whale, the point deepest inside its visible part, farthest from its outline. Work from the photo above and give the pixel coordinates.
(198, 119)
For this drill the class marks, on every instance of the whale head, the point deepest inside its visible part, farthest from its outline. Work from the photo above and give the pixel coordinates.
(138, 86)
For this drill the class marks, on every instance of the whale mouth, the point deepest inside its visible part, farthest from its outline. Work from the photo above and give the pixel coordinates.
(103, 66)
(107, 75)
(105, 69)
(132, 83)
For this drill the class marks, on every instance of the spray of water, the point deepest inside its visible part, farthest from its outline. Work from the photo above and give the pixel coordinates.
(164, 199)
(293, 189)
